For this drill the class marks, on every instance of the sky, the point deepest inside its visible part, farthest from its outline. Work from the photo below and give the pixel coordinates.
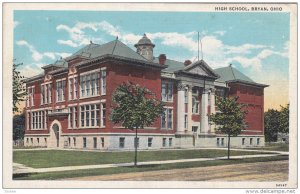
(257, 44)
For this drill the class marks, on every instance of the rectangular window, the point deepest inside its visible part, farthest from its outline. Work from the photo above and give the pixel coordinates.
(103, 114)
(82, 85)
(243, 141)
(218, 141)
(258, 141)
(97, 115)
(194, 129)
(170, 142)
(122, 142)
(45, 139)
(89, 84)
(75, 88)
(87, 115)
(170, 118)
(74, 141)
(93, 115)
(137, 142)
(38, 140)
(195, 101)
(167, 119)
(103, 82)
(30, 97)
(222, 141)
(27, 140)
(95, 142)
(38, 120)
(60, 90)
(84, 142)
(69, 141)
(82, 116)
(42, 94)
(150, 142)
(185, 121)
(164, 142)
(167, 91)
(49, 93)
(71, 88)
(251, 141)
(164, 119)
(102, 142)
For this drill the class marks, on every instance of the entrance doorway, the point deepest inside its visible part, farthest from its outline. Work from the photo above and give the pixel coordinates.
(55, 129)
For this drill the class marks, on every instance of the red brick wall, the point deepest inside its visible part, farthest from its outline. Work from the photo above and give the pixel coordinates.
(254, 98)
(116, 75)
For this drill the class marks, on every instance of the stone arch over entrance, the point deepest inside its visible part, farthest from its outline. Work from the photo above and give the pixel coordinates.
(55, 135)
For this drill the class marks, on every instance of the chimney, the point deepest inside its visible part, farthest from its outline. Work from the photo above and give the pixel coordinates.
(162, 59)
(187, 62)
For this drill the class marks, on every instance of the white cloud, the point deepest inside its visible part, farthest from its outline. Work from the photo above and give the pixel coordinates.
(38, 56)
(220, 33)
(243, 49)
(215, 52)
(67, 42)
(29, 70)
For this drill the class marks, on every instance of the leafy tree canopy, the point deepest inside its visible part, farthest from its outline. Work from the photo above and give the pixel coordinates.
(19, 92)
(230, 118)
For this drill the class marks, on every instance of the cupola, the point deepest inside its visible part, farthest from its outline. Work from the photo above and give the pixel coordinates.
(145, 47)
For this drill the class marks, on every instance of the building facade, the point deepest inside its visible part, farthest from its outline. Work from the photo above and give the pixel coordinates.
(69, 104)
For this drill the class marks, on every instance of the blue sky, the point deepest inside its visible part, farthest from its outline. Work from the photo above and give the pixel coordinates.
(255, 43)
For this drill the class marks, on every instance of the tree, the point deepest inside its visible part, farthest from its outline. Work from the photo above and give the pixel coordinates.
(18, 126)
(284, 119)
(135, 107)
(272, 124)
(230, 119)
(19, 92)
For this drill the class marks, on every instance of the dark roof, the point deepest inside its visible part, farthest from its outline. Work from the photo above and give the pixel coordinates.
(231, 74)
(172, 65)
(115, 47)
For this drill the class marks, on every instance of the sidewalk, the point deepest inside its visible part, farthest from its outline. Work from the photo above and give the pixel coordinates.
(21, 169)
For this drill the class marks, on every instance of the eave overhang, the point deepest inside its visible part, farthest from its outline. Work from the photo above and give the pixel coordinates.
(247, 83)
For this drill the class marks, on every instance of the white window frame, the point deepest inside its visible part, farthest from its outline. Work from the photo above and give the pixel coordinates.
(83, 109)
(73, 89)
(38, 120)
(84, 88)
(103, 83)
(168, 96)
(166, 113)
(63, 90)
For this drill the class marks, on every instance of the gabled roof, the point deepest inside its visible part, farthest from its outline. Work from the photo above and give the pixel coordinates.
(115, 47)
(172, 65)
(231, 74)
(199, 68)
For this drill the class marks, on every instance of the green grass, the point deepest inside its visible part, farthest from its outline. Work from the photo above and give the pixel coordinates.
(273, 147)
(56, 158)
(118, 170)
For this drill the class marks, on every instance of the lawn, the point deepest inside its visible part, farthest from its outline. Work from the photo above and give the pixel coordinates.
(56, 158)
(118, 170)
(274, 147)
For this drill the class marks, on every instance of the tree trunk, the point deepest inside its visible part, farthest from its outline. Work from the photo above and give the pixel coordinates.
(135, 146)
(228, 151)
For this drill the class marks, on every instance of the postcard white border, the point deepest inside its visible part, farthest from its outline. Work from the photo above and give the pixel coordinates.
(8, 9)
